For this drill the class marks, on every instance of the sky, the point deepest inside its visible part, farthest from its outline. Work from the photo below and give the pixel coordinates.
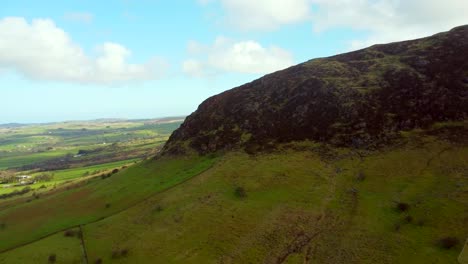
(88, 59)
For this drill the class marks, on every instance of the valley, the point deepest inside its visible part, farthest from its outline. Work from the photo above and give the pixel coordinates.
(38, 158)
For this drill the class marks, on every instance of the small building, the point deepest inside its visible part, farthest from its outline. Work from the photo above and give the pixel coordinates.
(23, 177)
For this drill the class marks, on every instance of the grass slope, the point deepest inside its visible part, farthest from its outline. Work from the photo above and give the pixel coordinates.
(97, 199)
(67, 250)
(306, 203)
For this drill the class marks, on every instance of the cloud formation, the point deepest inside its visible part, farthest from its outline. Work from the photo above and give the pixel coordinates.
(42, 51)
(384, 20)
(389, 20)
(265, 14)
(226, 55)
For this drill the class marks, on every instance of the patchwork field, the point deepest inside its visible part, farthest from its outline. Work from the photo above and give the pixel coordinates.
(37, 158)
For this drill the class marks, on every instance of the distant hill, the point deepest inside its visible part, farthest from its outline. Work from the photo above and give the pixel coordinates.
(361, 98)
(12, 125)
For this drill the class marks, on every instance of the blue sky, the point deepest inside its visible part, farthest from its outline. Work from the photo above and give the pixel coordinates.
(79, 60)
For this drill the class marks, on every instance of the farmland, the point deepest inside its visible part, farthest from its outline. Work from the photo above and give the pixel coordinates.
(51, 155)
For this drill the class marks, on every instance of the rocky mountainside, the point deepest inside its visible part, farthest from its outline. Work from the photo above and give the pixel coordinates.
(359, 98)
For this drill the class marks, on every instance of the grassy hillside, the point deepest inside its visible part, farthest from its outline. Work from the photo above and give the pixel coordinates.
(24, 222)
(302, 203)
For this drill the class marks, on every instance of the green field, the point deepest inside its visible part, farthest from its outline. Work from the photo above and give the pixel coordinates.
(71, 151)
(301, 203)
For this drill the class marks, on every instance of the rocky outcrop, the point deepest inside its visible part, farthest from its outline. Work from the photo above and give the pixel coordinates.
(358, 98)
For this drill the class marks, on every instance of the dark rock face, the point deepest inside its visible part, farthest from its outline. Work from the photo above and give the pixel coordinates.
(357, 98)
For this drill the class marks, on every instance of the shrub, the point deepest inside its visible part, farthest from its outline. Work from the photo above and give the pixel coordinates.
(69, 233)
(2, 226)
(157, 208)
(409, 219)
(240, 192)
(360, 177)
(397, 227)
(108, 205)
(448, 242)
(98, 261)
(120, 253)
(52, 258)
(402, 207)
(114, 171)
(44, 177)
(105, 176)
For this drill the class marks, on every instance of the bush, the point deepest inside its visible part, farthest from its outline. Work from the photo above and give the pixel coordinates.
(15, 193)
(409, 219)
(44, 177)
(120, 253)
(402, 207)
(108, 205)
(114, 171)
(52, 258)
(240, 192)
(157, 208)
(360, 177)
(2, 226)
(105, 176)
(98, 261)
(448, 242)
(69, 233)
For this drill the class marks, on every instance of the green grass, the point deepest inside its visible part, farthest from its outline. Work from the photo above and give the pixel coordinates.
(305, 201)
(67, 250)
(295, 193)
(70, 175)
(99, 198)
(78, 172)
(21, 159)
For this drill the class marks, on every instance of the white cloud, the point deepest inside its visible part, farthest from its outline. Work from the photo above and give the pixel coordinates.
(81, 17)
(263, 14)
(389, 20)
(193, 68)
(225, 55)
(40, 50)
(383, 20)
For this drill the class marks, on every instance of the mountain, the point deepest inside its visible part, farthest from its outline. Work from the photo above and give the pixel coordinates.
(358, 158)
(362, 98)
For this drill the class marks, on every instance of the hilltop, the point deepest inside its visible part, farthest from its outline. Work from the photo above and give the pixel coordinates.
(360, 99)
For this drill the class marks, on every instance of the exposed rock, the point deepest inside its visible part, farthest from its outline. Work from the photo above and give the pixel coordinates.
(358, 98)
